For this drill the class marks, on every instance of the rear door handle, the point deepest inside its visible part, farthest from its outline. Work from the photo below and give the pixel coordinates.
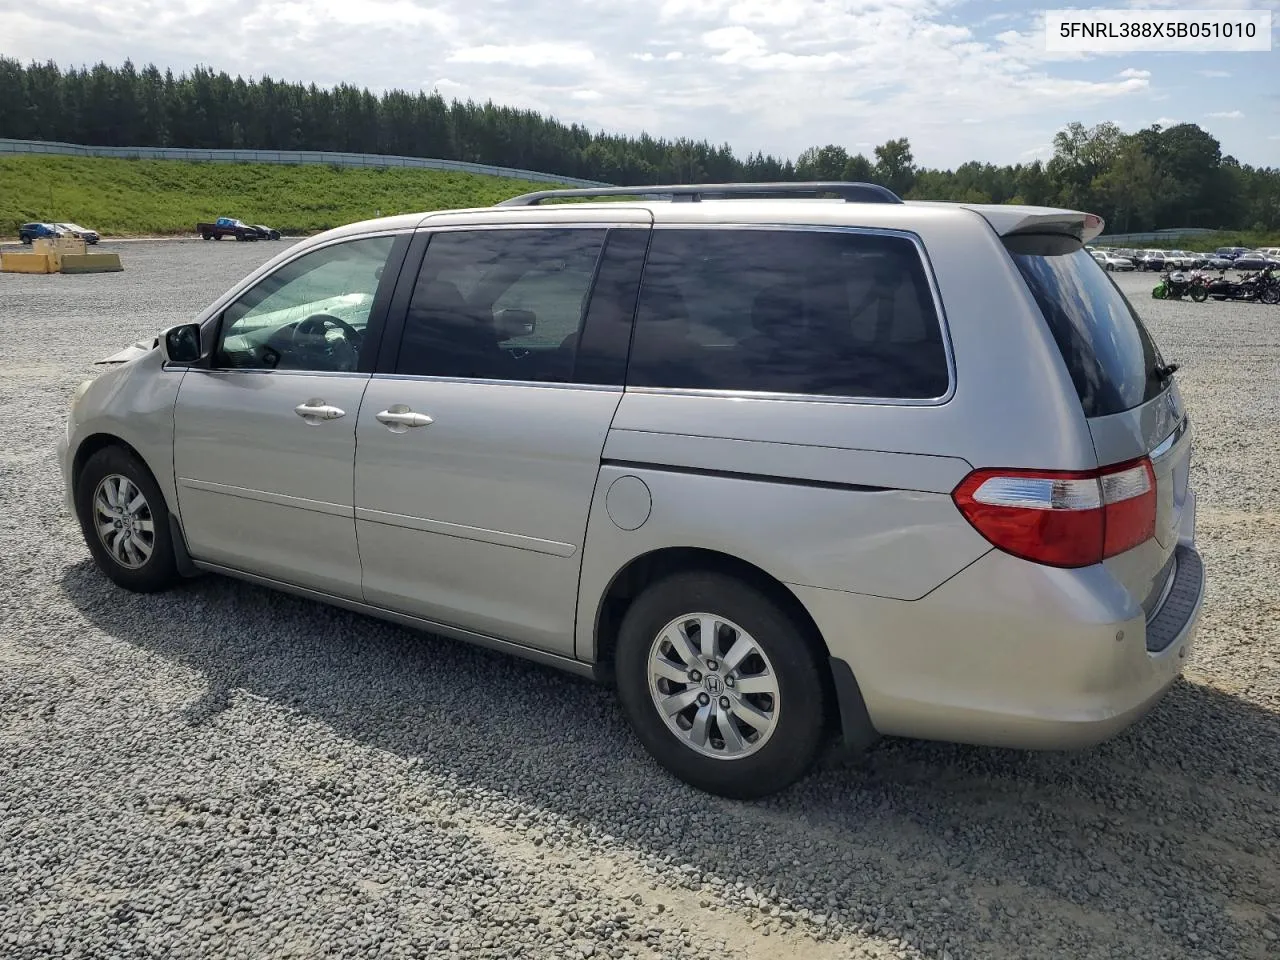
(400, 418)
(317, 411)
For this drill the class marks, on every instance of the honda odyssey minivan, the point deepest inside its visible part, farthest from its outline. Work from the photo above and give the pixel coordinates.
(784, 464)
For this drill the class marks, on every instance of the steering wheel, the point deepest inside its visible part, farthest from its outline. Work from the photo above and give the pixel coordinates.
(310, 336)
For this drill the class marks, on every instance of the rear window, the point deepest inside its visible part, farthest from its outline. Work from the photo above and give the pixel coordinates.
(832, 313)
(1109, 354)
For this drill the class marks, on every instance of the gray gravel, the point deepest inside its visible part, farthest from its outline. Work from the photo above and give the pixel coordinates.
(226, 772)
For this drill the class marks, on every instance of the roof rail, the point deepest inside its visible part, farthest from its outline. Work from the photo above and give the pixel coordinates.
(694, 192)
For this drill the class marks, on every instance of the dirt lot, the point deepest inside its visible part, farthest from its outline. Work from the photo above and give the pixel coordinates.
(225, 772)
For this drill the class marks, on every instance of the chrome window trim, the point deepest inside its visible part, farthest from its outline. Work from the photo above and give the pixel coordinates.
(268, 371)
(489, 381)
(930, 278)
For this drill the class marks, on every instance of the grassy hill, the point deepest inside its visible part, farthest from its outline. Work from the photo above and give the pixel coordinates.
(162, 197)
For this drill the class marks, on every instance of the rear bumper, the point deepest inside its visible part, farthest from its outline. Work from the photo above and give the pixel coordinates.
(1011, 654)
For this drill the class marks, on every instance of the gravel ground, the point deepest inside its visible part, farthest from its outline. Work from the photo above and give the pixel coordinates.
(227, 772)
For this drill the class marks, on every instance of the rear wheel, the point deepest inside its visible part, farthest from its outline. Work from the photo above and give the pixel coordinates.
(1270, 295)
(721, 686)
(1199, 293)
(125, 521)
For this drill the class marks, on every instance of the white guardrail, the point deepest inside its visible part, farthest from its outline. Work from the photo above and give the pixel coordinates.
(285, 156)
(1155, 236)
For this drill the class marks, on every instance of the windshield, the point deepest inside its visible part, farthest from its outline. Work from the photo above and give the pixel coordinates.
(1109, 354)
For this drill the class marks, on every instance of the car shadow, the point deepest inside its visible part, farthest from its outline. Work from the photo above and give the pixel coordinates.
(1165, 836)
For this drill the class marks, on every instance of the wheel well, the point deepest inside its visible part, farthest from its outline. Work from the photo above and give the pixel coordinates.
(91, 445)
(632, 579)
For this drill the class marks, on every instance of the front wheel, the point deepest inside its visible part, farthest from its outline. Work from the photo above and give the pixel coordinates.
(125, 521)
(1199, 294)
(720, 685)
(1270, 295)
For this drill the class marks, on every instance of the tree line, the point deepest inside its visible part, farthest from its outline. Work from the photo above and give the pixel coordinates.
(1153, 179)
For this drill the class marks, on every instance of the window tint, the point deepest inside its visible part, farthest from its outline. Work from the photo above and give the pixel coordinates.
(789, 311)
(310, 314)
(500, 304)
(1108, 352)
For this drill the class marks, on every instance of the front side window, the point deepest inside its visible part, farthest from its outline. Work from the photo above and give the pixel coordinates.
(311, 314)
(832, 313)
(500, 304)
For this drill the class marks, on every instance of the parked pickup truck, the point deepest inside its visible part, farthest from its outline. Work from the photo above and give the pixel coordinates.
(227, 227)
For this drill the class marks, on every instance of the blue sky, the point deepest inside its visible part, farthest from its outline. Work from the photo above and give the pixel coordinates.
(963, 79)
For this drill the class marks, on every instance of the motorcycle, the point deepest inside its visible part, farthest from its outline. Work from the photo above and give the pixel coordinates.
(1173, 286)
(1247, 288)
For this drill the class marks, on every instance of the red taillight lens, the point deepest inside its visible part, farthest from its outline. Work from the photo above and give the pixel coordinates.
(1062, 518)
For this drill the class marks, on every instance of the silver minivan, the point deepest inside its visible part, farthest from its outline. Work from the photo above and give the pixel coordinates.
(788, 465)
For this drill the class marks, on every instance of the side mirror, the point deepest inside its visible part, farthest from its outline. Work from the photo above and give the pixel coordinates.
(516, 323)
(181, 344)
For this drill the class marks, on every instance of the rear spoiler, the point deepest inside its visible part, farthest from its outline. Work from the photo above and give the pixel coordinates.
(1041, 230)
(1065, 231)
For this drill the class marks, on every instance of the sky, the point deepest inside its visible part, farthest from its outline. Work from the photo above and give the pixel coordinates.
(962, 79)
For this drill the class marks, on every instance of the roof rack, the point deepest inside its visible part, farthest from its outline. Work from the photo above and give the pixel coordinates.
(694, 192)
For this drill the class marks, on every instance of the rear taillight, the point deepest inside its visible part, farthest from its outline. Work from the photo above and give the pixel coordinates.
(1062, 518)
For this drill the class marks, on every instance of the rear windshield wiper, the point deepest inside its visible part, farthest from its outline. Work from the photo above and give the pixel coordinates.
(1163, 371)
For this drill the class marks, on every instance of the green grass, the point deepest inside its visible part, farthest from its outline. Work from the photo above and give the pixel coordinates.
(166, 197)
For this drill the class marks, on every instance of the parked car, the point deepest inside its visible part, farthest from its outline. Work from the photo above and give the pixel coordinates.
(810, 498)
(84, 233)
(266, 233)
(1109, 261)
(40, 231)
(1272, 252)
(226, 227)
(1254, 260)
(1214, 261)
(1151, 260)
(1231, 253)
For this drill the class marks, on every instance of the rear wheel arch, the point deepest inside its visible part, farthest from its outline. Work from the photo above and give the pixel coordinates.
(639, 573)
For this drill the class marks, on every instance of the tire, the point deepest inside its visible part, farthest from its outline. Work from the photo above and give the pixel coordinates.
(770, 760)
(100, 478)
(1199, 294)
(1270, 295)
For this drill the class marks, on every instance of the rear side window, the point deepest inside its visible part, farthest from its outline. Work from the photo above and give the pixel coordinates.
(833, 313)
(1109, 354)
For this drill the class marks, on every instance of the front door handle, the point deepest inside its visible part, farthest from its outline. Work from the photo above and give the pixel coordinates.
(400, 418)
(317, 411)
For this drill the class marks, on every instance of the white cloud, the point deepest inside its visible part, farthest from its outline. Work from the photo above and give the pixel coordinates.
(524, 55)
(587, 95)
(1166, 121)
(1133, 74)
(1214, 74)
(1226, 115)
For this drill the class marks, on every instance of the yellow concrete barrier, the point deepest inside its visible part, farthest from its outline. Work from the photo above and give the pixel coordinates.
(27, 263)
(90, 263)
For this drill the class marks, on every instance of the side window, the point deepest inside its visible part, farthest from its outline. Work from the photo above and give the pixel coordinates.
(311, 314)
(500, 304)
(834, 313)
